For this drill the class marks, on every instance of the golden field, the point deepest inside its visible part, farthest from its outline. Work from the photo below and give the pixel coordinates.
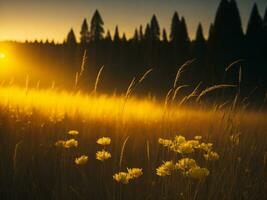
(69, 145)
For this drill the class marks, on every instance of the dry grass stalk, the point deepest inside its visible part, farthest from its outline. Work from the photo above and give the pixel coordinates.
(212, 88)
(122, 150)
(181, 70)
(98, 78)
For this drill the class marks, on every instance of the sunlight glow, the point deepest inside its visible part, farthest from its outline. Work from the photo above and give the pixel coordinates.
(2, 56)
(56, 105)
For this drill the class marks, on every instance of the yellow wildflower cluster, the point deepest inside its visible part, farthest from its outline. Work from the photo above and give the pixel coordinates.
(125, 177)
(182, 146)
(103, 155)
(67, 143)
(198, 172)
(164, 142)
(104, 141)
(211, 155)
(198, 137)
(81, 160)
(73, 132)
(165, 169)
(187, 166)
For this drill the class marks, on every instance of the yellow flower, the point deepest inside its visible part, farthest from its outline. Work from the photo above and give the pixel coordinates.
(60, 143)
(104, 141)
(206, 146)
(103, 155)
(165, 169)
(73, 132)
(81, 160)
(185, 164)
(194, 143)
(179, 139)
(67, 144)
(70, 143)
(122, 177)
(198, 173)
(198, 137)
(134, 172)
(185, 148)
(211, 155)
(165, 142)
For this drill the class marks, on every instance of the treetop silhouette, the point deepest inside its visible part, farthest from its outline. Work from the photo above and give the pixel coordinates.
(71, 38)
(96, 28)
(154, 29)
(174, 35)
(85, 36)
(199, 34)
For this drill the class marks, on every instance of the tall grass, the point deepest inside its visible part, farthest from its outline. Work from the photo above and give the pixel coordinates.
(32, 167)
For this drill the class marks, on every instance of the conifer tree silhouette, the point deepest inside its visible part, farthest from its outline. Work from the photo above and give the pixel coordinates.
(108, 36)
(199, 35)
(116, 37)
(183, 42)
(71, 38)
(141, 34)
(164, 36)
(96, 28)
(84, 33)
(147, 35)
(226, 40)
(124, 38)
(254, 46)
(174, 33)
(254, 28)
(136, 36)
(154, 29)
(199, 53)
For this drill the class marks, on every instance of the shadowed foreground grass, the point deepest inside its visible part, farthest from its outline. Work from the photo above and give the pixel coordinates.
(33, 167)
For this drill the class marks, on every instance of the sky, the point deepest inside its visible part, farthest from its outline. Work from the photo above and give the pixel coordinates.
(52, 19)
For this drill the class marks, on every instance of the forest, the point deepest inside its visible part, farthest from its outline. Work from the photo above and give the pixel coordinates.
(229, 54)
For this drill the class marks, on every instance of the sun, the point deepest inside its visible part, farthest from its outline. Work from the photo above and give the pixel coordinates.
(2, 56)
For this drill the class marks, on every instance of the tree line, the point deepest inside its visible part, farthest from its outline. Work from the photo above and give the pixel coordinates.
(243, 51)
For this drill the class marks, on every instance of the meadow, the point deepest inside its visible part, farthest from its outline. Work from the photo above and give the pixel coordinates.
(70, 145)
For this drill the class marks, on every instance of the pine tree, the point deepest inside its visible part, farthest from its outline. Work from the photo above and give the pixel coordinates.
(96, 29)
(108, 36)
(174, 34)
(254, 28)
(199, 53)
(141, 34)
(184, 34)
(116, 37)
(71, 39)
(236, 25)
(154, 29)
(84, 39)
(136, 36)
(199, 35)
(255, 47)
(147, 35)
(226, 40)
(164, 36)
(211, 30)
(124, 38)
